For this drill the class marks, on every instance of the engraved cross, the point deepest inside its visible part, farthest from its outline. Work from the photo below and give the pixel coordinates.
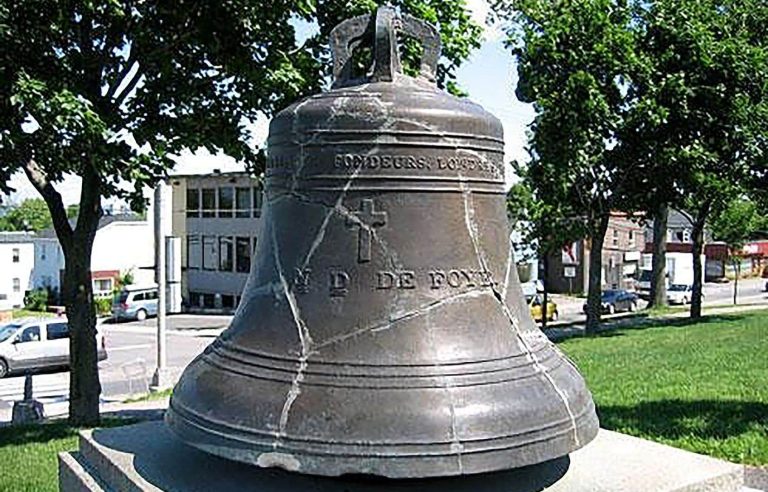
(366, 219)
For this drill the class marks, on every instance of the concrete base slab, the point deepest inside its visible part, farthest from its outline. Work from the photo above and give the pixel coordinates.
(147, 457)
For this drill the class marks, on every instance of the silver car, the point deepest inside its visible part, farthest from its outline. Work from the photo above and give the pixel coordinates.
(135, 302)
(37, 344)
(679, 294)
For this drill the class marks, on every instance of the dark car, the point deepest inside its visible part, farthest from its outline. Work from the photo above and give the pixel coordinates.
(616, 301)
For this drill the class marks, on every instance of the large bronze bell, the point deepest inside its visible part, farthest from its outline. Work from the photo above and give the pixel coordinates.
(383, 329)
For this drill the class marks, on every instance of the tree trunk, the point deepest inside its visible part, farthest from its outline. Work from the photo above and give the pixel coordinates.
(84, 386)
(659, 268)
(697, 249)
(595, 275)
(77, 289)
(545, 261)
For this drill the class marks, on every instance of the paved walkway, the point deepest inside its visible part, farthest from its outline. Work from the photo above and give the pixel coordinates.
(568, 330)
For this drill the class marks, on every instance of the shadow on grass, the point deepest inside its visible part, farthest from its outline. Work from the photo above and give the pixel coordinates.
(41, 433)
(674, 419)
(644, 321)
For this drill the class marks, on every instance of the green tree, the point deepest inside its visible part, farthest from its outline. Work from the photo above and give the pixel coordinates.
(30, 215)
(79, 80)
(735, 224)
(73, 210)
(541, 226)
(573, 60)
(700, 119)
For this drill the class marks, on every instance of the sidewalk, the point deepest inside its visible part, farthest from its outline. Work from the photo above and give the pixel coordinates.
(561, 331)
(152, 409)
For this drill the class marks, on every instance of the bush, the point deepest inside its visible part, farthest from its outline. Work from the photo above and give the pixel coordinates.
(103, 306)
(36, 300)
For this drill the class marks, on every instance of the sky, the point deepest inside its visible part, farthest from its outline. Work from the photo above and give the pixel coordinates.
(489, 75)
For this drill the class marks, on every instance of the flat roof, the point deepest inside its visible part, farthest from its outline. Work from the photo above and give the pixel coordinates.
(228, 174)
(17, 237)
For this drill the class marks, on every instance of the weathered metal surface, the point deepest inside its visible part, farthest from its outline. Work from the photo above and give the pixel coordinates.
(383, 329)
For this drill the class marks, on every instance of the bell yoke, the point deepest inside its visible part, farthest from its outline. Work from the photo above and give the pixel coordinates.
(383, 329)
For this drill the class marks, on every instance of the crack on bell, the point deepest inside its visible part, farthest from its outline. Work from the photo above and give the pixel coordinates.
(542, 369)
(400, 317)
(305, 340)
(320, 236)
(510, 261)
(469, 218)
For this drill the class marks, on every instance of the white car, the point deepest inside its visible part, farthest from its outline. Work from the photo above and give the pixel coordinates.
(32, 344)
(679, 294)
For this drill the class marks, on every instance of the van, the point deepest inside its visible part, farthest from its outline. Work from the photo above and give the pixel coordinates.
(33, 344)
(135, 302)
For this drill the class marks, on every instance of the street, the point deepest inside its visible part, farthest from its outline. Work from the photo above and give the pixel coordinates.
(751, 290)
(130, 364)
(131, 349)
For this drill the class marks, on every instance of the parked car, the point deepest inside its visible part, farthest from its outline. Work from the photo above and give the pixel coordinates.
(135, 302)
(765, 276)
(616, 301)
(37, 344)
(536, 305)
(679, 294)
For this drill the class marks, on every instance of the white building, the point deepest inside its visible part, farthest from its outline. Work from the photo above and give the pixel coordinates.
(217, 216)
(17, 259)
(123, 243)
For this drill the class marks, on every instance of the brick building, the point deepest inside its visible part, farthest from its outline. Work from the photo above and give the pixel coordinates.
(621, 259)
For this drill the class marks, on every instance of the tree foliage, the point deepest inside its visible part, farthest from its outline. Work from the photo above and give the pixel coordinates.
(737, 222)
(573, 60)
(641, 103)
(29, 215)
(699, 122)
(111, 91)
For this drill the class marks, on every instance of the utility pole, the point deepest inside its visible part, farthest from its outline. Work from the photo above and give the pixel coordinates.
(161, 378)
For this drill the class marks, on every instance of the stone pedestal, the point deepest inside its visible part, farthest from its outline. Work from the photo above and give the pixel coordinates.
(147, 457)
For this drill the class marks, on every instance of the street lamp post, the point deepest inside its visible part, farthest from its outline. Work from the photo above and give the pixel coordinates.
(161, 378)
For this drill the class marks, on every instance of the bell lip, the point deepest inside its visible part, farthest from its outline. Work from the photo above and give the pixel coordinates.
(334, 463)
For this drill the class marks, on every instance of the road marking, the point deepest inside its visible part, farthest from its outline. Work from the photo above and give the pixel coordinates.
(129, 347)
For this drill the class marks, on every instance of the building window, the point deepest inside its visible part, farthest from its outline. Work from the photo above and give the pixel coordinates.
(17, 285)
(243, 198)
(615, 240)
(194, 299)
(194, 253)
(243, 254)
(57, 331)
(631, 239)
(226, 201)
(209, 202)
(43, 251)
(209, 301)
(31, 334)
(227, 301)
(102, 286)
(16, 254)
(193, 202)
(210, 258)
(257, 197)
(226, 254)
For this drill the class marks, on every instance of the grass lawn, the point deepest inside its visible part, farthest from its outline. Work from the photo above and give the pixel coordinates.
(698, 386)
(28, 454)
(26, 313)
